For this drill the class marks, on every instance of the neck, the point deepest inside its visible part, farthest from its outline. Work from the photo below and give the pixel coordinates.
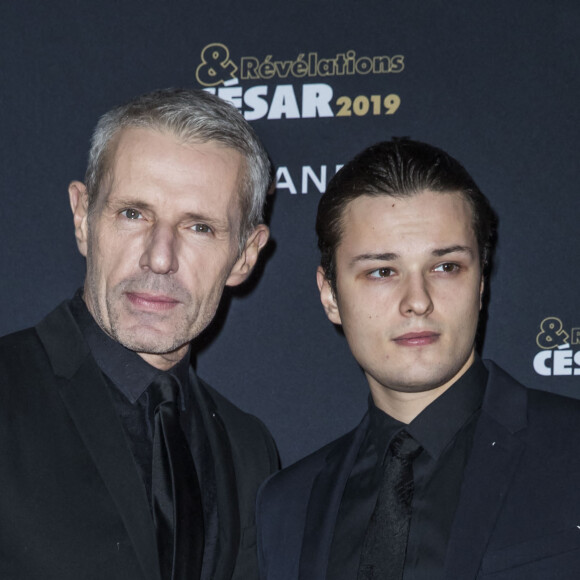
(404, 406)
(165, 361)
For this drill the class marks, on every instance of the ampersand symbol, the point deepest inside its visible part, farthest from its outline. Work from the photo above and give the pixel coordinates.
(552, 333)
(216, 66)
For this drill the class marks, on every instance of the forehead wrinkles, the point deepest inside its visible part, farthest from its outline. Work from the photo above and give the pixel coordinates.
(129, 156)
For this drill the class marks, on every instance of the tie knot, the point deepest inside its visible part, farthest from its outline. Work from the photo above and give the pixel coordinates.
(163, 389)
(405, 447)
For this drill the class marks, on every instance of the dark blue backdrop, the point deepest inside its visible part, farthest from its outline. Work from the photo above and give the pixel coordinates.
(494, 83)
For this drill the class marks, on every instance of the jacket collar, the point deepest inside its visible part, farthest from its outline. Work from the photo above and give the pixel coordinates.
(85, 395)
(82, 388)
(225, 476)
(324, 503)
(493, 462)
(494, 459)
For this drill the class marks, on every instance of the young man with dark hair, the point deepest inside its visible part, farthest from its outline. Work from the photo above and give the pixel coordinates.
(457, 471)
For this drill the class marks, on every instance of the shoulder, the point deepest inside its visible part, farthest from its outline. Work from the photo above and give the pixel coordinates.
(249, 437)
(225, 406)
(542, 401)
(285, 499)
(241, 423)
(555, 415)
(21, 353)
(296, 480)
(26, 339)
(55, 346)
(548, 417)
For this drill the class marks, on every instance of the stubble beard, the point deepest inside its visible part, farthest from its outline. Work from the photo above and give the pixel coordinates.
(139, 334)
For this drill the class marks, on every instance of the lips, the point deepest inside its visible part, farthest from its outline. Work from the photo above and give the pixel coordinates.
(417, 338)
(151, 302)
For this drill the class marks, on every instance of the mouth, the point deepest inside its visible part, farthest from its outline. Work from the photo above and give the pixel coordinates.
(151, 302)
(416, 338)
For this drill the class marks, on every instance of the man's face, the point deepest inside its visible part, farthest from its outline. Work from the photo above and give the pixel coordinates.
(409, 289)
(162, 241)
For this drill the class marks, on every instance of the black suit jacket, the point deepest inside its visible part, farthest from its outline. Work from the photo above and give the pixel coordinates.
(518, 516)
(72, 504)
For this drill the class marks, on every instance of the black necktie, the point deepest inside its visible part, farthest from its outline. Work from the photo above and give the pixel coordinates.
(385, 543)
(176, 497)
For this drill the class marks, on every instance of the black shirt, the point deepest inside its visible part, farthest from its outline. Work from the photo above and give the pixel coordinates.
(128, 377)
(445, 430)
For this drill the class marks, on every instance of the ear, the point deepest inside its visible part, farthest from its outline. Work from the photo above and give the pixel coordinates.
(481, 290)
(79, 203)
(327, 297)
(249, 256)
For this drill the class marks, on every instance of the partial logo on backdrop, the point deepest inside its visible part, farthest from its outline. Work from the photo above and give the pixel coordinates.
(559, 345)
(300, 87)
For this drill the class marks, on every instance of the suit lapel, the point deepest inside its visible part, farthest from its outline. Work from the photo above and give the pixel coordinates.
(226, 488)
(84, 393)
(494, 459)
(324, 503)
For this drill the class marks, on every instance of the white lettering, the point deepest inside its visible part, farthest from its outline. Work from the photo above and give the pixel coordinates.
(316, 99)
(562, 362)
(259, 106)
(540, 361)
(282, 172)
(284, 103)
(320, 183)
(577, 361)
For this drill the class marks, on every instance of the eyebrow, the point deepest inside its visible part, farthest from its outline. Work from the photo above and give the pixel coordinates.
(453, 250)
(392, 256)
(126, 202)
(387, 257)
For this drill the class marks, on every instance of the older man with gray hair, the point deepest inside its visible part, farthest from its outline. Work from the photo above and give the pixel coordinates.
(118, 461)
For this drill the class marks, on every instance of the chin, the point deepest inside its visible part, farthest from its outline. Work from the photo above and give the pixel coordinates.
(418, 387)
(148, 342)
(423, 382)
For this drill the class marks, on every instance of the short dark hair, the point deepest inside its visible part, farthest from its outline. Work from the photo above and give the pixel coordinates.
(399, 168)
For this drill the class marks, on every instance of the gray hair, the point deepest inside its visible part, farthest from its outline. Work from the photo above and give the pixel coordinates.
(194, 116)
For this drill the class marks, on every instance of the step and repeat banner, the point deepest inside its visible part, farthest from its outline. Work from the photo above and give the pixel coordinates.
(493, 83)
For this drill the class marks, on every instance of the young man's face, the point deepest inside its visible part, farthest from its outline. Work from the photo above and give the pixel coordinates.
(409, 289)
(162, 241)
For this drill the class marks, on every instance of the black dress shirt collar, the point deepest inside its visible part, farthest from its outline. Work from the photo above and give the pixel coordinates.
(436, 426)
(125, 368)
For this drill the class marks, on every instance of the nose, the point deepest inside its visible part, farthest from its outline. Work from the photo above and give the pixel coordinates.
(416, 299)
(160, 252)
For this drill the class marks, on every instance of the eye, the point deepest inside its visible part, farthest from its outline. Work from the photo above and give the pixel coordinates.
(201, 228)
(448, 267)
(131, 214)
(381, 273)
